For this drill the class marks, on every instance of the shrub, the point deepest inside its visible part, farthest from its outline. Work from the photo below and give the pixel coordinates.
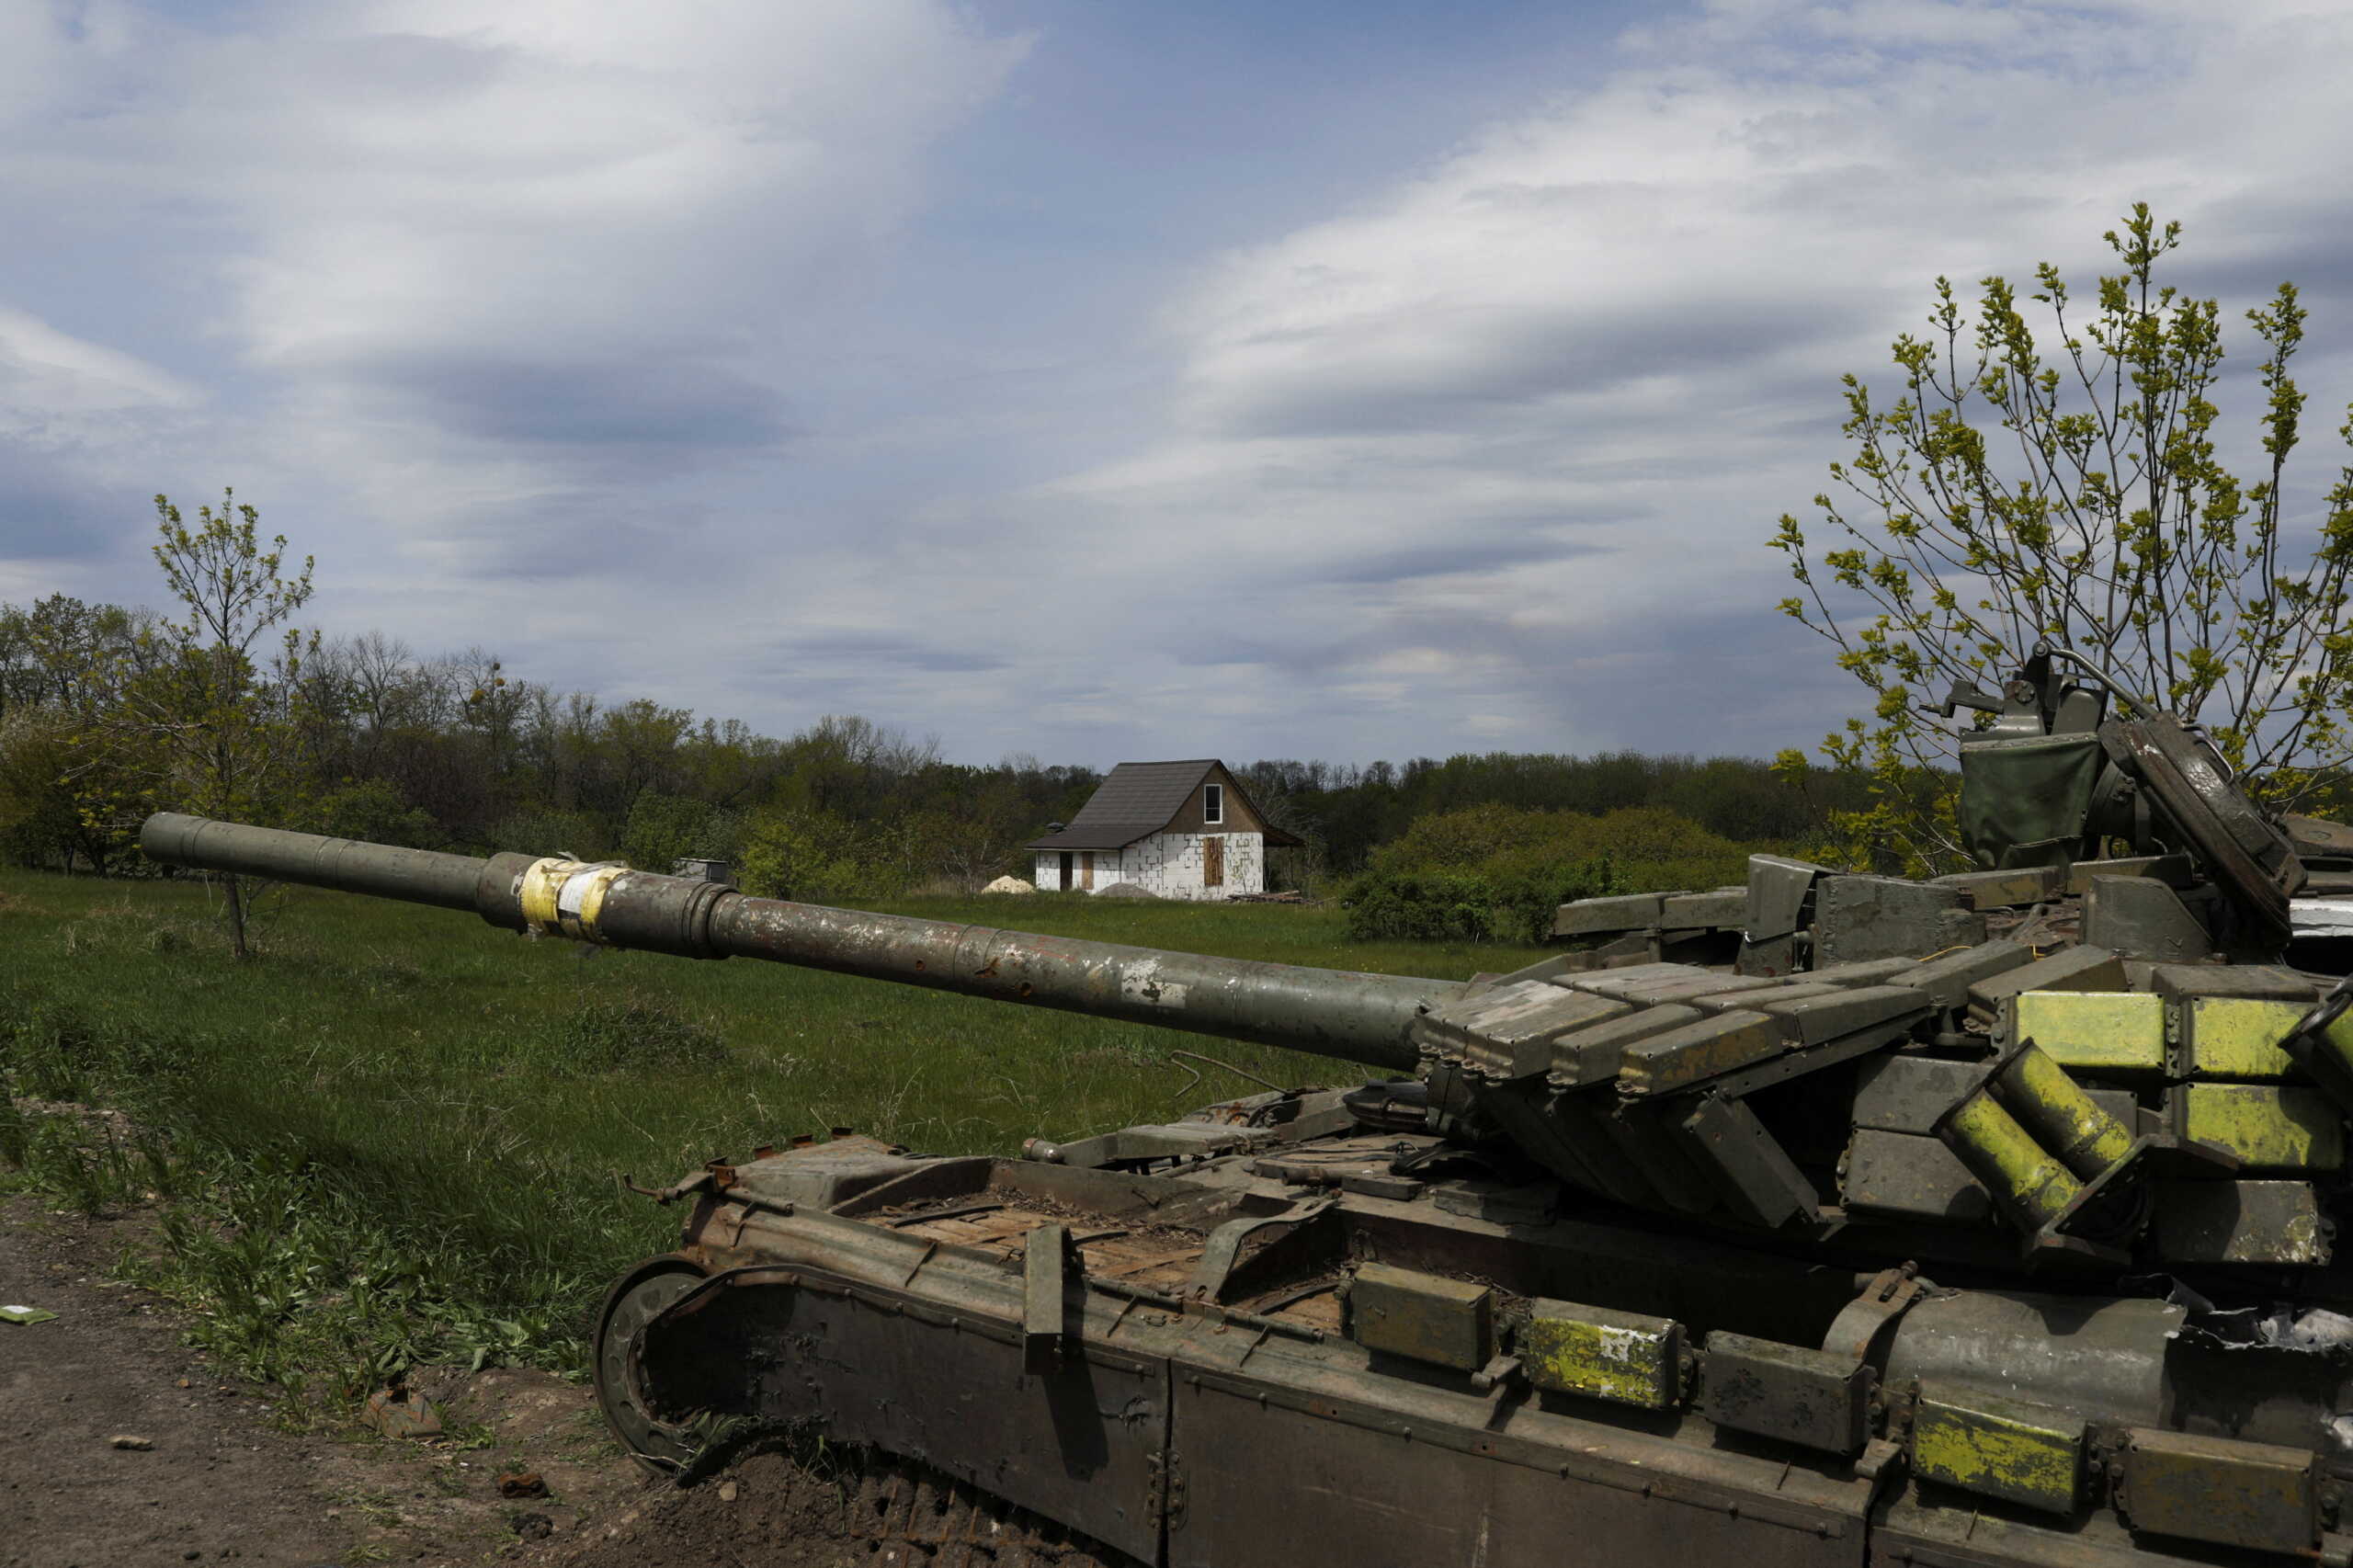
(664, 829)
(817, 856)
(1495, 873)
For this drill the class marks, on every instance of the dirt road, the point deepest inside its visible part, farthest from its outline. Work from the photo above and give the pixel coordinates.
(214, 1484)
(223, 1480)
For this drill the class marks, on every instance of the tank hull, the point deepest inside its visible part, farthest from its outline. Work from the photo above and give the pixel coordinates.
(1181, 1381)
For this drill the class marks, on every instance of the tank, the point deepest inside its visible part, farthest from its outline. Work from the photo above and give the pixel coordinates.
(1828, 1220)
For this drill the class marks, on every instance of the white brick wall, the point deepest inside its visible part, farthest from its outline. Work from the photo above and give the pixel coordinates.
(1169, 864)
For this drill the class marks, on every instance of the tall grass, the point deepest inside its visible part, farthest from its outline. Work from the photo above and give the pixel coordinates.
(398, 1129)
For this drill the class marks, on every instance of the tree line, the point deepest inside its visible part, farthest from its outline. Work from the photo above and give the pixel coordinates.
(108, 712)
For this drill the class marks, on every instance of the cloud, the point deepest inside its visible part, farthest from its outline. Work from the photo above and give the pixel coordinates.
(591, 333)
(76, 417)
(463, 260)
(1535, 408)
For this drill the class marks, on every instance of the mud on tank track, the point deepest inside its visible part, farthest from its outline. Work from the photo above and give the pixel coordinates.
(769, 1511)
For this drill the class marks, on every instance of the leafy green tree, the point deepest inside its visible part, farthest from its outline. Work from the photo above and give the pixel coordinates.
(219, 732)
(2070, 487)
(811, 857)
(63, 795)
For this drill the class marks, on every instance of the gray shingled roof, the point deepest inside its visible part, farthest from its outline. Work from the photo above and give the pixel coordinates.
(1136, 800)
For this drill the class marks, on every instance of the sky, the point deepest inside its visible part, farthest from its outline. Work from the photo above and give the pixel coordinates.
(1090, 379)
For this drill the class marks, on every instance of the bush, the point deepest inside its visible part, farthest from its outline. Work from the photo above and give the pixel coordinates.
(664, 829)
(1495, 873)
(372, 812)
(815, 856)
(1466, 906)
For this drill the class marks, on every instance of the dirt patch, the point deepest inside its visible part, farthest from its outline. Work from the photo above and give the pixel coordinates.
(233, 1472)
(766, 1511)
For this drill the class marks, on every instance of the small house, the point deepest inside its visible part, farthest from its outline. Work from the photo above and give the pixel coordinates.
(1177, 829)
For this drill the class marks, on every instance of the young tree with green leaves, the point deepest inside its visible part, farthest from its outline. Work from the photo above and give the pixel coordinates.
(2070, 488)
(217, 729)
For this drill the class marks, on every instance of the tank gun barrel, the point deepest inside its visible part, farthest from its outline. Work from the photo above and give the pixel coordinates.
(1354, 1017)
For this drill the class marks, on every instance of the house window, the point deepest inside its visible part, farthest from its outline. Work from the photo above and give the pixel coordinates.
(1214, 803)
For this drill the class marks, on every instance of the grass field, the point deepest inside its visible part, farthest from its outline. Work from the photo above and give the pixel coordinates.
(393, 1134)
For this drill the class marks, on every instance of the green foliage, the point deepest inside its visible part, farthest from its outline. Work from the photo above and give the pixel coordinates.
(1497, 873)
(578, 835)
(817, 856)
(1348, 814)
(664, 829)
(2011, 497)
(1467, 906)
(370, 809)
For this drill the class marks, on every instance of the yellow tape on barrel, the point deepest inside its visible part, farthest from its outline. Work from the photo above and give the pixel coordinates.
(581, 898)
(542, 880)
(563, 897)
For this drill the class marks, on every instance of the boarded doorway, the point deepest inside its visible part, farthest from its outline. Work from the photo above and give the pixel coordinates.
(1213, 862)
(1086, 870)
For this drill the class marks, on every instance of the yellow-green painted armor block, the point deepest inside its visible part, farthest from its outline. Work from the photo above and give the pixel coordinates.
(1998, 1448)
(1621, 1356)
(2269, 1127)
(2236, 1037)
(2112, 1031)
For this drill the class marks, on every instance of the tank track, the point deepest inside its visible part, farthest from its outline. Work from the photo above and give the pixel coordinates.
(932, 1521)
